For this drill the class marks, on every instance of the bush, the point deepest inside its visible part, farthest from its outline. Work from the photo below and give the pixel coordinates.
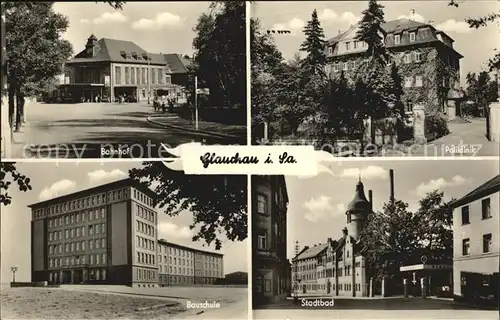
(437, 126)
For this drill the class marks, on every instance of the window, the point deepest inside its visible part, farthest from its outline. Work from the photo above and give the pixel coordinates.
(487, 243)
(407, 58)
(418, 56)
(118, 75)
(418, 81)
(408, 82)
(486, 208)
(345, 66)
(330, 51)
(347, 46)
(412, 36)
(397, 39)
(267, 285)
(336, 67)
(261, 203)
(262, 242)
(466, 247)
(132, 75)
(465, 215)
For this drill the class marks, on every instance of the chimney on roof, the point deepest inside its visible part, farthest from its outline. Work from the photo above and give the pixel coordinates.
(412, 14)
(339, 32)
(391, 177)
(344, 231)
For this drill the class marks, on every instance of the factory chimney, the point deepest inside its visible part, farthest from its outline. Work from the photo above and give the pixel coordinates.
(370, 199)
(391, 177)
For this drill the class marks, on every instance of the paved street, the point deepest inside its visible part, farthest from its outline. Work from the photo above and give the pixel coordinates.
(390, 308)
(89, 125)
(233, 300)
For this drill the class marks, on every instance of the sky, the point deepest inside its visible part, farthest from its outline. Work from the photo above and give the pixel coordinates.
(157, 27)
(50, 179)
(475, 45)
(319, 203)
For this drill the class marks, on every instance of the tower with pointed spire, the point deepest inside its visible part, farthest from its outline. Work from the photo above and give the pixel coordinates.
(357, 211)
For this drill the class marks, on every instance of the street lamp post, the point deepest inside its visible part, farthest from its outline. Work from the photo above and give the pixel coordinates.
(149, 79)
(13, 269)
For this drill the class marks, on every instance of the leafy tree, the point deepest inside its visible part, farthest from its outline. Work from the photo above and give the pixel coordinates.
(395, 92)
(482, 90)
(314, 46)
(9, 175)
(117, 5)
(35, 48)
(220, 52)
(218, 203)
(434, 227)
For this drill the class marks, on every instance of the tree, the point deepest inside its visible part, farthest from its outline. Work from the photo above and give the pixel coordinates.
(218, 203)
(395, 92)
(35, 48)
(9, 175)
(370, 31)
(481, 90)
(117, 5)
(434, 227)
(314, 46)
(220, 59)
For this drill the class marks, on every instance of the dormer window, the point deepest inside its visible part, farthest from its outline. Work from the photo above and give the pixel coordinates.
(134, 55)
(123, 54)
(397, 39)
(330, 51)
(412, 36)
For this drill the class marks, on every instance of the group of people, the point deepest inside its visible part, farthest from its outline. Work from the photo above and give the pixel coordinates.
(161, 103)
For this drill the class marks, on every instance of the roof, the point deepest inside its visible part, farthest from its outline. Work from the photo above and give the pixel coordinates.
(312, 251)
(399, 25)
(487, 188)
(177, 63)
(359, 202)
(180, 246)
(111, 50)
(127, 182)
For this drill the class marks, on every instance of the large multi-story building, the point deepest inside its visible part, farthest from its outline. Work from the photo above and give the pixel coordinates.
(476, 245)
(110, 68)
(428, 64)
(106, 233)
(109, 234)
(336, 267)
(271, 269)
(181, 265)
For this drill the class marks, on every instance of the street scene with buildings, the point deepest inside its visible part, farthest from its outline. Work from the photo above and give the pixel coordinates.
(375, 78)
(382, 240)
(121, 73)
(95, 241)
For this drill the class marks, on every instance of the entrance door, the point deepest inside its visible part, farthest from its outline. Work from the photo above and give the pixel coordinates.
(78, 276)
(304, 289)
(328, 287)
(66, 277)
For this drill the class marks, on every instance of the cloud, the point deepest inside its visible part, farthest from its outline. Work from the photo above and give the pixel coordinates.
(170, 230)
(106, 17)
(368, 173)
(454, 26)
(317, 208)
(329, 16)
(100, 175)
(57, 189)
(84, 21)
(439, 184)
(293, 25)
(414, 17)
(163, 19)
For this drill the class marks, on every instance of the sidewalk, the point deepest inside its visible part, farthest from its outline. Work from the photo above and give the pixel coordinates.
(205, 127)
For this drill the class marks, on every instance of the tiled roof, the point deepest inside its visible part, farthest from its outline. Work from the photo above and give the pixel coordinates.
(402, 24)
(177, 63)
(111, 50)
(312, 251)
(487, 188)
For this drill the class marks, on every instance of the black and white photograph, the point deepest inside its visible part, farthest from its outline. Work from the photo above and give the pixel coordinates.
(119, 79)
(377, 78)
(122, 240)
(386, 239)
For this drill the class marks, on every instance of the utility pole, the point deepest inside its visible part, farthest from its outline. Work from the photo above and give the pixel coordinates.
(13, 269)
(296, 275)
(196, 102)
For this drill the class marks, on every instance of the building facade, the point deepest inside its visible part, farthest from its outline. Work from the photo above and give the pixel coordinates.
(108, 69)
(271, 280)
(427, 62)
(336, 267)
(476, 245)
(181, 265)
(103, 234)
